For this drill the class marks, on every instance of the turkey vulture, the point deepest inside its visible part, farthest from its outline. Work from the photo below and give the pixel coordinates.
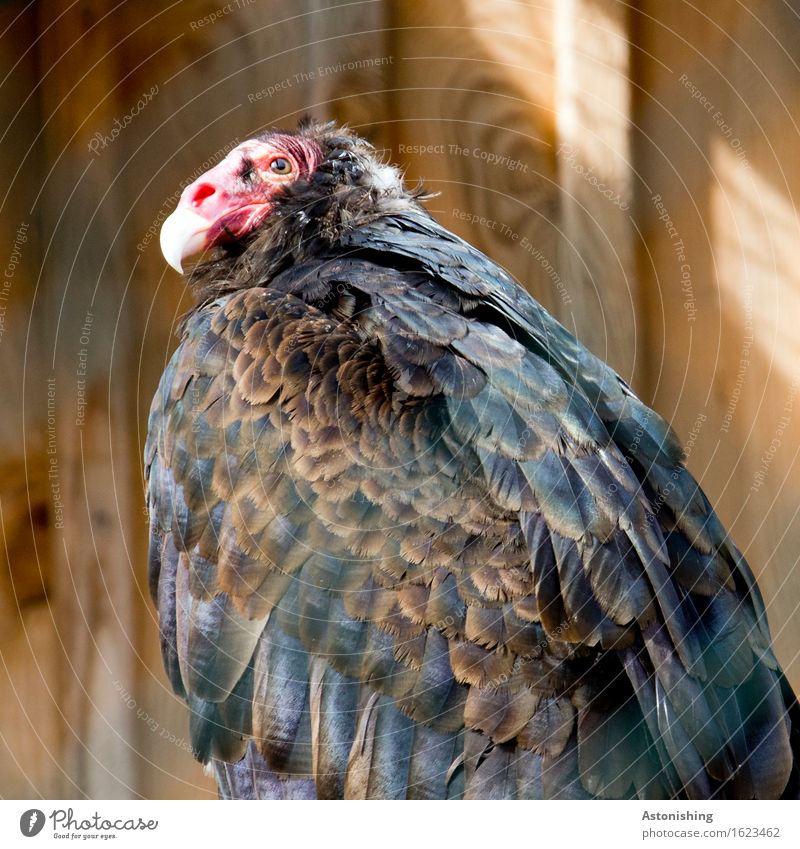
(410, 539)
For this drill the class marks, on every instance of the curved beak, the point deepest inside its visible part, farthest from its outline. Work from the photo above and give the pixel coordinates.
(183, 234)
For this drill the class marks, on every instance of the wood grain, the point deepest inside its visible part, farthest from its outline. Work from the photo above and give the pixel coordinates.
(715, 150)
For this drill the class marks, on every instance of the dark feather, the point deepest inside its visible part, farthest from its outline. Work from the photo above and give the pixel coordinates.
(410, 539)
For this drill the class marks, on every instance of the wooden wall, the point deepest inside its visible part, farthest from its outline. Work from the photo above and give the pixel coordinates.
(572, 140)
(715, 140)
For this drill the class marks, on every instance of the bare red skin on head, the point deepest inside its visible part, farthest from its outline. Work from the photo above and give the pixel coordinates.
(235, 205)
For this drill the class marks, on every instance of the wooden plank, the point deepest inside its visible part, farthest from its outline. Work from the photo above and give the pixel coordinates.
(96, 96)
(595, 174)
(718, 198)
(30, 722)
(473, 115)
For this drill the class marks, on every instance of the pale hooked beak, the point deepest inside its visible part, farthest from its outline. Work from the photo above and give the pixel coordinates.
(183, 234)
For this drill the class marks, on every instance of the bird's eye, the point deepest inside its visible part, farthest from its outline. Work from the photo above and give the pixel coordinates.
(280, 165)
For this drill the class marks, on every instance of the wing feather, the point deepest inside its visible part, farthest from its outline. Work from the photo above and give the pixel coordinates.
(434, 548)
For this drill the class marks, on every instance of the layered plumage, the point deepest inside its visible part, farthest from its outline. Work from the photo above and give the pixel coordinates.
(410, 539)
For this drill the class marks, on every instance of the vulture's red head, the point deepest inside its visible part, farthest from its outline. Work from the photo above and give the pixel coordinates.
(236, 197)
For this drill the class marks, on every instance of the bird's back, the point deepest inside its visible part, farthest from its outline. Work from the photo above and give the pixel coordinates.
(409, 539)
